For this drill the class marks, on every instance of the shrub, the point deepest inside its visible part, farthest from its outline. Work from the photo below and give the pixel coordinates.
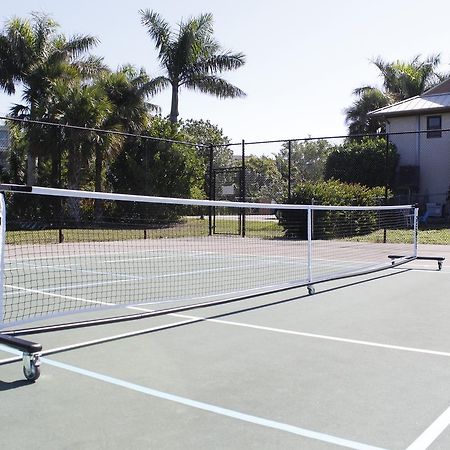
(364, 162)
(332, 224)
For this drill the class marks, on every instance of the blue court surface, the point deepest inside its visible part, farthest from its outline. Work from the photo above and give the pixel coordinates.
(363, 363)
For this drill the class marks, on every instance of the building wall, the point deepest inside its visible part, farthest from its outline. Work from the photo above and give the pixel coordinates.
(406, 143)
(432, 155)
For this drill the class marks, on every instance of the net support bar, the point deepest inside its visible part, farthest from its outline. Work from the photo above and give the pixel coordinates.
(310, 225)
(416, 231)
(2, 249)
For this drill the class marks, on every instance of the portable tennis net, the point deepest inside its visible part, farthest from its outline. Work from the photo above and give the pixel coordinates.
(65, 252)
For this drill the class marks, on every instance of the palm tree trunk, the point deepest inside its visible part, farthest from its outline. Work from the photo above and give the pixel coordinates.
(98, 204)
(31, 168)
(74, 183)
(174, 107)
(55, 174)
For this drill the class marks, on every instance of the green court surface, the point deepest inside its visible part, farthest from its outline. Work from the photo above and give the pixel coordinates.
(363, 363)
(47, 279)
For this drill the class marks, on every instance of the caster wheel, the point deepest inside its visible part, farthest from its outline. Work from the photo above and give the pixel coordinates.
(33, 374)
(32, 368)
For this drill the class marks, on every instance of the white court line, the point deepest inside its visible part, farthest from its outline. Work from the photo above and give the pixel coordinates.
(35, 291)
(323, 437)
(432, 432)
(131, 278)
(147, 258)
(309, 335)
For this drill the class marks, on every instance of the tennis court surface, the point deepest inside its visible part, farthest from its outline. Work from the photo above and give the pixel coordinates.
(362, 363)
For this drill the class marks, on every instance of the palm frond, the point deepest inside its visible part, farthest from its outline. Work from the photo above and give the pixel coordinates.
(158, 29)
(214, 85)
(79, 44)
(90, 66)
(155, 85)
(361, 90)
(43, 28)
(219, 63)
(20, 111)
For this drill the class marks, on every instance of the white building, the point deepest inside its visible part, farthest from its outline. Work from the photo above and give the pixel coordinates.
(424, 149)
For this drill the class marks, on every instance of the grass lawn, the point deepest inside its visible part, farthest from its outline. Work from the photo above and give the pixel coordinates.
(196, 227)
(437, 234)
(434, 234)
(188, 227)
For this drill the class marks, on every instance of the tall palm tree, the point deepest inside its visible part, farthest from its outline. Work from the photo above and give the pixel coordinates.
(81, 105)
(191, 58)
(35, 56)
(86, 106)
(127, 90)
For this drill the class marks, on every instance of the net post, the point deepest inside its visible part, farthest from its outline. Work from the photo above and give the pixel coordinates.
(2, 252)
(309, 220)
(211, 188)
(416, 231)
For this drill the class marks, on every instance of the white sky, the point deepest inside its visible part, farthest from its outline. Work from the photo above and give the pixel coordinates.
(304, 58)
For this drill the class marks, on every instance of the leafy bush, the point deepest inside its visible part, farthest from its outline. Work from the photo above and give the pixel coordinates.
(364, 162)
(332, 224)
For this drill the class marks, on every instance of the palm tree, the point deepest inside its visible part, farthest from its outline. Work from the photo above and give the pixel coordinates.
(357, 116)
(191, 58)
(80, 105)
(127, 90)
(86, 106)
(401, 80)
(35, 56)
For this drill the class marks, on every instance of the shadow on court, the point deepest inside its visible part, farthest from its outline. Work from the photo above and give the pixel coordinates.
(9, 385)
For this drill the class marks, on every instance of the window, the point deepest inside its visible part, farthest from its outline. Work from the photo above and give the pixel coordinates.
(434, 123)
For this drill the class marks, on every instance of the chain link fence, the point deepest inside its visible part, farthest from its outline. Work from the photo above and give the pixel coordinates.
(411, 167)
(396, 168)
(390, 168)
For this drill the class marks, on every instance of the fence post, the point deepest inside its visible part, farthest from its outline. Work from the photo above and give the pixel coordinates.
(386, 180)
(2, 253)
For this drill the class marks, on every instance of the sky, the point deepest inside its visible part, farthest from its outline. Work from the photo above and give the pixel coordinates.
(304, 58)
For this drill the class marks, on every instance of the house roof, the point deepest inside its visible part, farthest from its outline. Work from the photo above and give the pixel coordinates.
(435, 100)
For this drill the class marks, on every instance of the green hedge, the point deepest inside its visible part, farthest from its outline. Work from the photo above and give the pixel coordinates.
(332, 224)
(367, 161)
